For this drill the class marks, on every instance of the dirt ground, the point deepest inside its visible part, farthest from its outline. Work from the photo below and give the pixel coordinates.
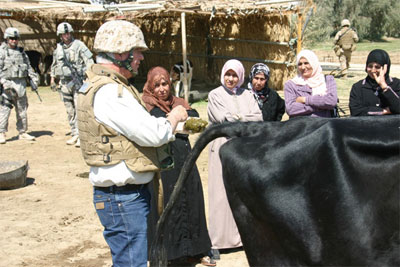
(52, 221)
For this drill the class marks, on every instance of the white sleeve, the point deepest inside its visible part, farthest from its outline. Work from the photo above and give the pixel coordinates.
(125, 115)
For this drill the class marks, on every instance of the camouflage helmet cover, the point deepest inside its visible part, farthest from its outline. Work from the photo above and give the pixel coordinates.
(11, 32)
(345, 22)
(64, 27)
(118, 36)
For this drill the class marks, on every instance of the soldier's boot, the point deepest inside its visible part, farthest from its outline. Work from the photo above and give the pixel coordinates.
(73, 140)
(25, 136)
(78, 143)
(2, 138)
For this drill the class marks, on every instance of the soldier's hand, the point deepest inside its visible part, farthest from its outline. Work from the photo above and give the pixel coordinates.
(53, 87)
(177, 114)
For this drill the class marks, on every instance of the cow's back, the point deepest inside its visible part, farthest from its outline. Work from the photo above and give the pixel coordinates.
(317, 191)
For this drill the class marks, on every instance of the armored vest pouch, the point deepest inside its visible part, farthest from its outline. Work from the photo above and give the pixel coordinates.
(165, 157)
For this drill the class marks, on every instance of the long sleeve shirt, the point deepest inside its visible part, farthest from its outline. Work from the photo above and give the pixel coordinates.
(365, 100)
(126, 116)
(316, 105)
(224, 105)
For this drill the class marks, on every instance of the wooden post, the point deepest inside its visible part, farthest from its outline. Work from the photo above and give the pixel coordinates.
(299, 29)
(185, 81)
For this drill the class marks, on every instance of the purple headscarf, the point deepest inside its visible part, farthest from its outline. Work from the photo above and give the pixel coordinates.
(237, 67)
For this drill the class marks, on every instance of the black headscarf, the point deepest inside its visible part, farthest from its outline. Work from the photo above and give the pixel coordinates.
(261, 95)
(381, 57)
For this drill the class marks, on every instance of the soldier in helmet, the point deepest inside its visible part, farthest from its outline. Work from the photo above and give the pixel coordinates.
(71, 59)
(14, 71)
(122, 143)
(345, 40)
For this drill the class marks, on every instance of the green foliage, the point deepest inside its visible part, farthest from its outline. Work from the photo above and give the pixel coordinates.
(370, 18)
(199, 104)
(392, 27)
(390, 45)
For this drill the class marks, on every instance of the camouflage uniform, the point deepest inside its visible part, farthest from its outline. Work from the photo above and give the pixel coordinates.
(79, 58)
(345, 40)
(14, 70)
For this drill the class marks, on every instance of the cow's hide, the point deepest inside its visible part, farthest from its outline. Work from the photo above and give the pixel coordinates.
(309, 191)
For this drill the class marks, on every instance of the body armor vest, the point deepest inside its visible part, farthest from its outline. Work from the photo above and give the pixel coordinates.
(16, 63)
(70, 54)
(103, 146)
(346, 41)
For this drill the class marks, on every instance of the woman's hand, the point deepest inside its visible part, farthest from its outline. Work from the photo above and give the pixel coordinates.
(386, 111)
(301, 99)
(237, 117)
(380, 79)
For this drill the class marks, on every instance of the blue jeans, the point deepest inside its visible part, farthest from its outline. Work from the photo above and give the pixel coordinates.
(123, 213)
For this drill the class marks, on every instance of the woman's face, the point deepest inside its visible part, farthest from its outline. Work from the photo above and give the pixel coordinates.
(372, 68)
(161, 89)
(231, 79)
(258, 81)
(304, 68)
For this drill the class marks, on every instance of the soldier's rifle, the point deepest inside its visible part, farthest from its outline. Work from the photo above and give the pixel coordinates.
(75, 76)
(1, 94)
(34, 87)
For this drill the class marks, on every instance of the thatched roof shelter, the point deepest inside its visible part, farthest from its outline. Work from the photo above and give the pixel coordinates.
(251, 31)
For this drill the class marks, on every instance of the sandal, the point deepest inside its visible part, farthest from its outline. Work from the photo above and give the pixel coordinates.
(207, 261)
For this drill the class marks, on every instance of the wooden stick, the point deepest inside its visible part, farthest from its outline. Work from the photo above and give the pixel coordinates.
(299, 28)
(185, 81)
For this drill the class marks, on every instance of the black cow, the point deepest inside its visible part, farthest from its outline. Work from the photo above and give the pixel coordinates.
(309, 191)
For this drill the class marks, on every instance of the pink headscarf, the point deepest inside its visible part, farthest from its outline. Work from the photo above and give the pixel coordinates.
(317, 79)
(237, 67)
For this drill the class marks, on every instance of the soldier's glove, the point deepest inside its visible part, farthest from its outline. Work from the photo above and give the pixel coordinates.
(53, 87)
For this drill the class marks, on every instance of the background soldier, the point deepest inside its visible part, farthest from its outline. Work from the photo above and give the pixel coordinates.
(71, 58)
(120, 140)
(345, 40)
(15, 69)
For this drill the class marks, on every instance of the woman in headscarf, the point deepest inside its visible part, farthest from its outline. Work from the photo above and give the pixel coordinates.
(378, 93)
(271, 104)
(186, 236)
(310, 93)
(227, 103)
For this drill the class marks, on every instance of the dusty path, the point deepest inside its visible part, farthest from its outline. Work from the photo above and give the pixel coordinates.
(51, 221)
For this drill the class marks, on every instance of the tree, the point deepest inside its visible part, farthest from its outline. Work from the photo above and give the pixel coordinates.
(371, 19)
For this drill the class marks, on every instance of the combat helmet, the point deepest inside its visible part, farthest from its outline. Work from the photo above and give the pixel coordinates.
(118, 36)
(345, 22)
(11, 33)
(64, 27)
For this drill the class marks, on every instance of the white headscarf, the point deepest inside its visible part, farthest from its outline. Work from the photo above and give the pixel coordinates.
(237, 67)
(317, 79)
